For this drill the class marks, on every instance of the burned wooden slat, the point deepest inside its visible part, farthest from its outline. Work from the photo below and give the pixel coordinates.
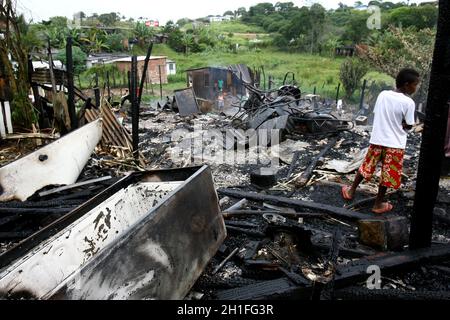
(238, 205)
(340, 212)
(294, 164)
(6, 220)
(346, 252)
(240, 224)
(35, 211)
(245, 213)
(306, 176)
(231, 255)
(263, 290)
(296, 278)
(252, 233)
(41, 204)
(73, 186)
(361, 293)
(356, 271)
(15, 235)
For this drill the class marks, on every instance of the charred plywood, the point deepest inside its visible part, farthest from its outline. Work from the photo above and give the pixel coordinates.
(59, 163)
(137, 240)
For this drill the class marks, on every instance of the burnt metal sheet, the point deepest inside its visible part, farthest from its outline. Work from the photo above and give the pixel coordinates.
(136, 240)
(186, 102)
(59, 163)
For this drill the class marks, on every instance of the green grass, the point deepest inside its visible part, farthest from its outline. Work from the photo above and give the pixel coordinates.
(311, 71)
(230, 27)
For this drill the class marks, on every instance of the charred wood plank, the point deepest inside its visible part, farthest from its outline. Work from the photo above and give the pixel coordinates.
(244, 213)
(306, 176)
(294, 164)
(356, 271)
(41, 204)
(252, 233)
(35, 211)
(331, 210)
(232, 254)
(346, 252)
(263, 290)
(361, 293)
(10, 219)
(15, 235)
(73, 186)
(240, 224)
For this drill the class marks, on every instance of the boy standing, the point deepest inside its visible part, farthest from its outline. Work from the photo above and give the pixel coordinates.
(394, 117)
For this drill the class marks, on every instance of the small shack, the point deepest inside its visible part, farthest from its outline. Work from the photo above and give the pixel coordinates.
(210, 82)
(157, 67)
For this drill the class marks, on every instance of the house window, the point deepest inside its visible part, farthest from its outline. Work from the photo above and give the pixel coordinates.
(171, 67)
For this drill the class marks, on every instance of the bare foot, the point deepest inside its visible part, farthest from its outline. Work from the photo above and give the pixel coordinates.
(383, 208)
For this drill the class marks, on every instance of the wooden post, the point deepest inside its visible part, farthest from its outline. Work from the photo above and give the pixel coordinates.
(432, 150)
(160, 82)
(337, 93)
(71, 86)
(97, 92)
(144, 72)
(134, 106)
(108, 85)
(363, 92)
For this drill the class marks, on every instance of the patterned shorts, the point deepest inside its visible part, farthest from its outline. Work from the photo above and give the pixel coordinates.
(392, 165)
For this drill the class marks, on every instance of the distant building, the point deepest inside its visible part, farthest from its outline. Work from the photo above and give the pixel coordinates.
(171, 68)
(361, 7)
(152, 23)
(156, 64)
(208, 82)
(101, 58)
(221, 18)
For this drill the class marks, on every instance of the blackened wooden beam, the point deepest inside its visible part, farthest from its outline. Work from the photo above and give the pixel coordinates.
(356, 271)
(134, 106)
(306, 176)
(97, 92)
(36, 211)
(15, 235)
(144, 73)
(71, 85)
(293, 203)
(435, 128)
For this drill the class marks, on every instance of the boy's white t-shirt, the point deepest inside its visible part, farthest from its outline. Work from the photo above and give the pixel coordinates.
(391, 109)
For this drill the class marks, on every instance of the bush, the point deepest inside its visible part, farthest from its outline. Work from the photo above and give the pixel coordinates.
(79, 59)
(352, 72)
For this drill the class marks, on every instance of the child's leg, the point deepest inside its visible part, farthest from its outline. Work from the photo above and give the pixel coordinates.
(359, 178)
(379, 202)
(365, 172)
(391, 177)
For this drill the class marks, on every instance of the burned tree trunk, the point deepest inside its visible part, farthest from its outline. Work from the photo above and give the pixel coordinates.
(432, 149)
(12, 49)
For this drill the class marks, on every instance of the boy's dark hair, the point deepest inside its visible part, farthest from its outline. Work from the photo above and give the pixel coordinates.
(406, 76)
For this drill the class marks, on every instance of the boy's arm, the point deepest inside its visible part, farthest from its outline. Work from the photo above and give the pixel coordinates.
(410, 117)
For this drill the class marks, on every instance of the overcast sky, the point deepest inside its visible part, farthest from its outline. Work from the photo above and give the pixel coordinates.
(162, 10)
